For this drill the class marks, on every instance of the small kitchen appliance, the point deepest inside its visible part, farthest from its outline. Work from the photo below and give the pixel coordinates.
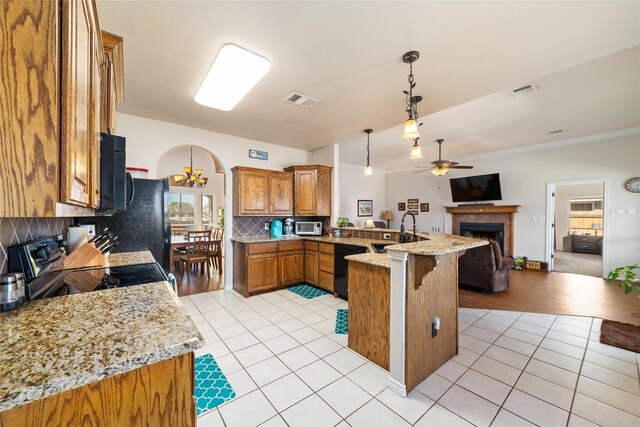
(288, 227)
(9, 294)
(308, 228)
(276, 229)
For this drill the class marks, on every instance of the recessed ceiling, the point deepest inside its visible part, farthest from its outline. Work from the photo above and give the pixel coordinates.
(348, 55)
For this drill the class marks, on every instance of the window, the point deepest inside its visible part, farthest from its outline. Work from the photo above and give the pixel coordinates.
(209, 219)
(585, 216)
(182, 208)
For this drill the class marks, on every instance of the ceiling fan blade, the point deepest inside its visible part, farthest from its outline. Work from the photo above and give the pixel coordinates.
(423, 170)
(460, 167)
(453, 163)
(438, 163)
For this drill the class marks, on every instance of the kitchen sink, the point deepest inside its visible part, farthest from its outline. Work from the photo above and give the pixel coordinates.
(379, 248)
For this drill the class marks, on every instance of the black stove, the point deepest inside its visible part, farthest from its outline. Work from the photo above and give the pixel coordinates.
(42, 262)
(75, 281)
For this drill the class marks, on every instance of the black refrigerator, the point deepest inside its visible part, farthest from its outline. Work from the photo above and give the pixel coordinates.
(144, 225)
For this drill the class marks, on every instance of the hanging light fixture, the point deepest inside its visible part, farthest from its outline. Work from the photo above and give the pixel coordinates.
(411, 125)
(439, 170)
(188, 178)
(416, 151)
(367, 168)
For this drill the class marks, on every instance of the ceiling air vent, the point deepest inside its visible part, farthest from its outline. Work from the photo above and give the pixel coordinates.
(523, 91)
(556, 132)
(301, 100)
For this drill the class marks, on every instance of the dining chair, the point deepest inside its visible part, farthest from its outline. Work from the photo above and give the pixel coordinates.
(215, 252)
(179, 230)
(197, 250)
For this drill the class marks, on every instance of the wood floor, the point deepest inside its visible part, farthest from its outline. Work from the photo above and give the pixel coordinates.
(559, 293)
(195, 283)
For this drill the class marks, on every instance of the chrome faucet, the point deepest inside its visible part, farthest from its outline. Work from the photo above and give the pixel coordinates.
(403, 234)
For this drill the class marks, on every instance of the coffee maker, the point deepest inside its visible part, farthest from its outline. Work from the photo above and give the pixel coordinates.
(276, 229)
(288, 227)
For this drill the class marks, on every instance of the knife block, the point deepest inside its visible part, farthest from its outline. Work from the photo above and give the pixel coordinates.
(85, 256)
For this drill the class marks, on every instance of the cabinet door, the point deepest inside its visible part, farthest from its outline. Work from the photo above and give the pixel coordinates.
(281, 194)
(76, 124)
(325, 263)
(323, 193)
(291, 267)
(29, 107)
(311, 267)
(305, 203)
(96, 76)
(253, 197)
(262, 272)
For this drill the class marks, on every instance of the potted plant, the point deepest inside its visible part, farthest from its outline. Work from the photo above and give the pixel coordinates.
(629, 280)
(341, 222)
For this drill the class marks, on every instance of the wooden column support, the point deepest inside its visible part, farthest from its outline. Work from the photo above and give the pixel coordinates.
(422, 265)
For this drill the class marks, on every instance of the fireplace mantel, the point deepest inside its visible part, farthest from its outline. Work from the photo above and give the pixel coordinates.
(486, 214)
(482, 209)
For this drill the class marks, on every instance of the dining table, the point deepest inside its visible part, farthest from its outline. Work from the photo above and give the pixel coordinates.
(180, 240)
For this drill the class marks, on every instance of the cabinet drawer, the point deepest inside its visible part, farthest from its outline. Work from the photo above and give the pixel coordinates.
(325, 263)
(586, 246)
(262, 248)
(310, 246)
(290, 246)
(325, 280)
(326, 248)
(585, 239)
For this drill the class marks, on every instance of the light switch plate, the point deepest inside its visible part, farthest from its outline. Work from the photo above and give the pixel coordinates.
(386, 236)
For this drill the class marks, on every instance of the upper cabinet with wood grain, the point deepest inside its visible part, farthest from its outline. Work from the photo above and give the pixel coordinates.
(312, 190)
(50, 106)
(260, 192)
(112, 84)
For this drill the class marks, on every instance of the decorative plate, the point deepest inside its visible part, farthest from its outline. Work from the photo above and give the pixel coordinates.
(633, 185)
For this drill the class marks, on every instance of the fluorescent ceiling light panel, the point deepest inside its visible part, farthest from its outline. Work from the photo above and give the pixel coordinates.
(232, 75)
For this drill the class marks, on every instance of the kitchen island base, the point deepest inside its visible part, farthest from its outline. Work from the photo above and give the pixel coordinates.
(160, 394)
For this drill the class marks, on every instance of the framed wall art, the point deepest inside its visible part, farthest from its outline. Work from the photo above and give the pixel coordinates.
(365, 207)
(424, 207)
(402, 207)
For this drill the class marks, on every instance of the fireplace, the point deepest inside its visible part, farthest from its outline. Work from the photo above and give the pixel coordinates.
(486, 217)
(484, 230)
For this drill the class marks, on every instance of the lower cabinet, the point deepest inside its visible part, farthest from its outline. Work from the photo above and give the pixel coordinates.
(262, 272)
(318, 264)
(311, 267)
(291, 267)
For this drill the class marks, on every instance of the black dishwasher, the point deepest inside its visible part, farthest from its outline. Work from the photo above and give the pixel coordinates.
(341, 274)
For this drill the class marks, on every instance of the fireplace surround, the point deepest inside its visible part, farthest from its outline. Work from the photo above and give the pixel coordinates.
(503, 214)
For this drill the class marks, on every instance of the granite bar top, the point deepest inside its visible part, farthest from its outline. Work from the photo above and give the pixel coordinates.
(53, 345)
(437, 244)
(129, 258)
(380, 260)
(355, 241)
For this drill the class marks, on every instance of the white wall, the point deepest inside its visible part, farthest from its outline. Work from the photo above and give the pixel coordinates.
(565, 193)
(148, 140)
(354, 186)
(524, 175)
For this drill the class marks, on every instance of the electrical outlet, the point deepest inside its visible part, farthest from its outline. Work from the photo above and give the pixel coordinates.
(386, 236)
(266, 226)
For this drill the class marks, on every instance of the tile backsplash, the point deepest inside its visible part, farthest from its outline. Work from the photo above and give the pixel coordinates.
(253, 226)
(20, 230)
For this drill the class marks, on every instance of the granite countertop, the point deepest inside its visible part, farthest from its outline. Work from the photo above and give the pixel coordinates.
(355, 241)
(380, 260)
(53, 345)
(264, 239)
(437, 244)
(129, 258)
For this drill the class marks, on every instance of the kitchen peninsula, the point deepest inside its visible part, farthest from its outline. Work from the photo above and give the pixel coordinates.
(116, 357)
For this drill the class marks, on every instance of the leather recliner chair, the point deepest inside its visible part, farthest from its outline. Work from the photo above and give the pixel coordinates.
(485, 268)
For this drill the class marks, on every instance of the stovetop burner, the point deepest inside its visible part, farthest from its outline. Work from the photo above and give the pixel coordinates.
(67, 282)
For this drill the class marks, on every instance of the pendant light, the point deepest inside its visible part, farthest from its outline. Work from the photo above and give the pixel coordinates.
(416, 151)
(367, 168)
(411, 125)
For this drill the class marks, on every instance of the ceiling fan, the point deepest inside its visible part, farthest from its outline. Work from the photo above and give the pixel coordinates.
(441, 167)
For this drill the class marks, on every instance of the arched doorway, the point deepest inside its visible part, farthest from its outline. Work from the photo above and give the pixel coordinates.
(193, 208)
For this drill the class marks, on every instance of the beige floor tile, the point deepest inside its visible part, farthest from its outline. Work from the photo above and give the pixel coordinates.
(252, 355)
(576, 421)
(535, 410)
(323, 346)
(607, 376)
(465, 357)
(473, 344)
(557, 359)
(527, 337)
(249, 410)
(511, 358)
(345, 360)
(567, 338)
(610, 395)
(481, 334)
(281, 344)
(286, 391)
(376, 414)
(508, 419)
(441, 417)
(607, 350)
(312, 411)
(411, 408)
(562, 348)
(482, 385)
(297, 357)
(318, 374)
(545, 390)
(434, 386)
(620, 366)
(469, 406)
(601, 413)
(497, 370)
(372, 378)
(344, 396)
(267, 371)
(451, 370)
(210, 419)
(562, 377)
(490, 326)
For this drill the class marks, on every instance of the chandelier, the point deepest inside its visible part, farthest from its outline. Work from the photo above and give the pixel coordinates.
(411, 125)
(188, 178)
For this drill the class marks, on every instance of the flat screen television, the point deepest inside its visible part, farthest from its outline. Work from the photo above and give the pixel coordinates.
(479, 188)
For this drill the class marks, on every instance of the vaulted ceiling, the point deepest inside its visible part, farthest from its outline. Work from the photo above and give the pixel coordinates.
(348, 55)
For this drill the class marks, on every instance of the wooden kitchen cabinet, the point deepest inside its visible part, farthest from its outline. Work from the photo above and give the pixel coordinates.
(311, 267)
(262, 272)
(291, 267)
(260, 192)
(50, 107)
(112, 83)
(312, 190)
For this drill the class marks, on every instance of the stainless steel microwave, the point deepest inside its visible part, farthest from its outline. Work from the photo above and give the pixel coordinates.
(308, 228)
